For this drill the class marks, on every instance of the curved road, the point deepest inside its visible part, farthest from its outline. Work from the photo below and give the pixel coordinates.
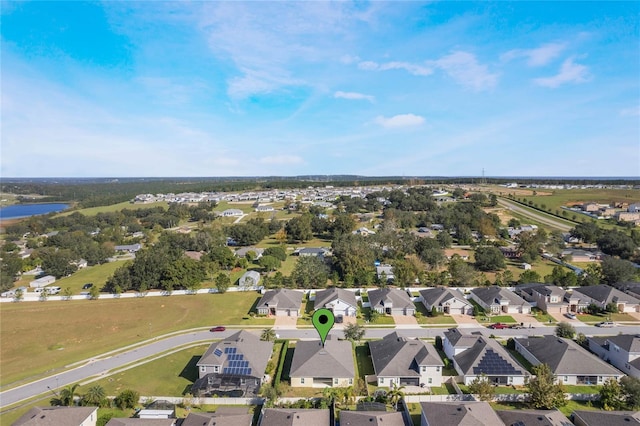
(540, 217)
(102, 366)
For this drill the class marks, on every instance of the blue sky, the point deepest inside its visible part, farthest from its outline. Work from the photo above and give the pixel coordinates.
(146, 88)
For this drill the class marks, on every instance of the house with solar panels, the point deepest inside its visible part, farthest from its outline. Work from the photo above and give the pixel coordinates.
(233, 367)
(489, 358)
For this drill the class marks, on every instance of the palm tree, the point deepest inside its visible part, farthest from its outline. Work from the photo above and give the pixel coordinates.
(268, 335)
(394, 395)
(95, 396)
(67, 395)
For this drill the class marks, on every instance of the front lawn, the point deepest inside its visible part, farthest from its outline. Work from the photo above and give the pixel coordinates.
(620, 317)
(425, 316)
(506, 319)
(381, 319)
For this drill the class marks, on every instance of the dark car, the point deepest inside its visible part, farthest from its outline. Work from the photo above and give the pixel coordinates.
(87, 286)
(498, 326)
(218, 328)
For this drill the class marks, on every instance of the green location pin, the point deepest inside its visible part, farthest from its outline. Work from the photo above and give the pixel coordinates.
(323, 321)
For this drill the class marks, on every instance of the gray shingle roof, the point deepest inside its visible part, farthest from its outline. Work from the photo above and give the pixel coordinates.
(310, 359)
(608, 418)
(282, 298)
(494, 294)
(439, 295)
(294, 417)
(383, 297)
(460, 414)
(457, 339)
(533, 418)
(628, 342)
(255, 351)
(325, 296)
(140, 422)
(371, 418)
(397, 356)
(217, 419)
(606, 294)
(564, 356)
(55, 416)
(488, 357)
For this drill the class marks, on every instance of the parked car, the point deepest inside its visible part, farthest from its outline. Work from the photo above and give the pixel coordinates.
(606, 324)
(218, 328)
(87, 286)
(498, 326)
(570, 315)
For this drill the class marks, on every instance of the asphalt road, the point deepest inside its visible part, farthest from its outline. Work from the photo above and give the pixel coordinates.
(100, 366)
(539, 217)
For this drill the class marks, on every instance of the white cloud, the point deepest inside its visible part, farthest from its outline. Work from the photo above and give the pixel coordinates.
(400, 120)
(631, 112)
(413, 69)
(570, 72)
(353, 96)
(536, 57)
(281, 160)
(464, 68)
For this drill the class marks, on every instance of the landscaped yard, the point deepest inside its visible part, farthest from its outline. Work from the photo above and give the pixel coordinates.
(426, 318)
(605, 317)
(59, 333)
(543, 317)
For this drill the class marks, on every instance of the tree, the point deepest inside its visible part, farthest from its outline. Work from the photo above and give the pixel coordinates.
(278, 252)
(354, 332)
(68, 394)
(94, 292)
(592, 275)
(483, 388)
(444, 239)
(394, 396)
(269, 263)
(616, 270)
(310, 272)
(587, 232)
(611, 396)
(617, 243)
(299, 228)
(462, 273)
(529, 276)
(128, 398)
(631, 391)
(222, 282)
(544, 392)
(95, 396)
(566, 330)
(343, 223)
(489, 258)
(268, 335)
(57, 262)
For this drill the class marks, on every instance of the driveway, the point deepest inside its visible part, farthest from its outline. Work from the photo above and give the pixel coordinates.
(405, 320)
(561, 318)
(526, 319)
(283, 322)
(345, 320)
(465, 321)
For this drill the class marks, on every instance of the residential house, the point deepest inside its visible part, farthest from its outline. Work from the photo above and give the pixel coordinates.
(364, 231)
(547, 297)
(338, 300)
(533, 418)
(129, 248)
(234, 366)
(632, 288)
(590, 207)
(634, 208)
(458, 414)
(581, 256)
(391, 301)
(232, 213)
(455, 342)
(372, 418)
(242, 252)
(401, 361)
(447, 300)
(59, 416)
(602, 295)
(571, 364)
(249, 279)
(385, 272)
(623, 351)
(42, 281)
(227, 416)
(497, 300)
(314, 365)
(489, 358)
(605, 418)
(312, 251)
(135, 421)
(627, 216)
(264, 209)
(294, 417)
(280, 302)
(159, 409)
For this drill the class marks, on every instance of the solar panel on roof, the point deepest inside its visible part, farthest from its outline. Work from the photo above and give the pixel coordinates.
(217, 352)
(229, 350)
(493, 364)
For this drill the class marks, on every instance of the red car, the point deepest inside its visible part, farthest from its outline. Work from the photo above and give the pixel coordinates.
(218, 328)
(498, 326)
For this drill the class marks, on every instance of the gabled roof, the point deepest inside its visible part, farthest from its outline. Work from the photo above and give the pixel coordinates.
(310, 359)
(628, 342)
(397, 356)
(253, 350)
(397, 298)
(55, 416)
(140, 422)
(329, 295)
(533, 418)
(440, 295)
(460, 414)
(294, 417)
(495, 294)
(488, 357)
(566, 357)
(608, 418)
(457, 339)
(371, 418)
(606, 294)
(217, 419)
(282, 298)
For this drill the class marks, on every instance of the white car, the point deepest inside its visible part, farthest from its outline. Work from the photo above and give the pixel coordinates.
(606, 324)
(570, 315)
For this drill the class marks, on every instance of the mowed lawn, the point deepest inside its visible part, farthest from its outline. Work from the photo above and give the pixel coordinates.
(98, 275)
(92, 211)
(36, 337)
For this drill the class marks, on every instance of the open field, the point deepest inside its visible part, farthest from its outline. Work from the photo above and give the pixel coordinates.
(92, 211)
(54, 334)
(97, 275)
(568, 197)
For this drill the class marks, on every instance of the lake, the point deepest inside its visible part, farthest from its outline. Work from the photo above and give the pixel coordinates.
(25, 210)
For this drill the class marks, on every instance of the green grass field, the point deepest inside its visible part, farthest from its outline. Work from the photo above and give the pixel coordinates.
(92, 211)
(97, 275)
(569, 197)
(426, 317)
(54, 334)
